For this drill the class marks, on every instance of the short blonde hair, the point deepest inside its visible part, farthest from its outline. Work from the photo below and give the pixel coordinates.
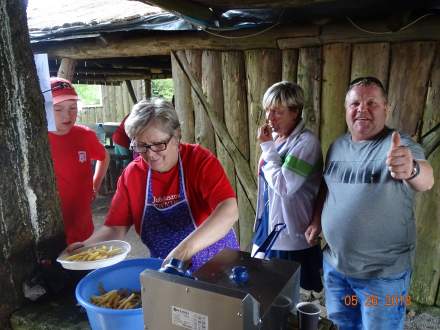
(284, 93)
(146, 111)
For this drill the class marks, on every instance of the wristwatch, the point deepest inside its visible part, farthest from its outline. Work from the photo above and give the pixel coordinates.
(415, 170)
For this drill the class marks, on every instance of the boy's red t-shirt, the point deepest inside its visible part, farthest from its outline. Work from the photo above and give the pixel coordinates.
(206, 186)
(72, 156)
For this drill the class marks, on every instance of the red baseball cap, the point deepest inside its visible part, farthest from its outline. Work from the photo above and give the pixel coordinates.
(62, 90)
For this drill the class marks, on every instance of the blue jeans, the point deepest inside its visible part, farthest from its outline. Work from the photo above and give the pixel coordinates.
(371, 304)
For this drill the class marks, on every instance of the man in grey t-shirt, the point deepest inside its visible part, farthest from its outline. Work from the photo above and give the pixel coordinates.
(371, 176)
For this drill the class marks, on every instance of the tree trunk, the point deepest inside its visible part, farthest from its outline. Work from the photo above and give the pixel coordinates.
(30, 222)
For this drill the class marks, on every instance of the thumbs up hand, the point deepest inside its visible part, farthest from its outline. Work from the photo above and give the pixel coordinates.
(399, 159)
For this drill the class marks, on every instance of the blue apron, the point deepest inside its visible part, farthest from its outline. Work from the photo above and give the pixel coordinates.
(163, 229)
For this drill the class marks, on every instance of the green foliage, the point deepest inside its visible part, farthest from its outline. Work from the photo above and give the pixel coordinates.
(162, 88)
(90, 95)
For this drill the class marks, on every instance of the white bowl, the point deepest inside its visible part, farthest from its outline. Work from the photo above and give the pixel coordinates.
(95, 264)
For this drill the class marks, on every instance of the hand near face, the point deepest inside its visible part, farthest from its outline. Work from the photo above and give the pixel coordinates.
(399, 159)
(265, 133)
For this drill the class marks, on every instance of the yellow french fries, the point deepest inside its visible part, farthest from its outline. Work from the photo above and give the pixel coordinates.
(95, 253)
(117, 299)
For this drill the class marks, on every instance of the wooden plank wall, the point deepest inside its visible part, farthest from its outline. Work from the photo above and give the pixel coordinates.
(409, 70)
(116, 104)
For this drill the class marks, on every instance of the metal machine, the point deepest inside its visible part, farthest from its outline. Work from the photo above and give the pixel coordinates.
(258, 296)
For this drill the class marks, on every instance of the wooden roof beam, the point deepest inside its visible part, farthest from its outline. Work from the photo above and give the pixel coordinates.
(97, 82)
(91, 78)
(141, 63)
(162, 43)
(67, 68)
(93, 71)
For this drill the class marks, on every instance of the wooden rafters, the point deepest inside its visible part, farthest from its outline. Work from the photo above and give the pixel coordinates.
(114, 69)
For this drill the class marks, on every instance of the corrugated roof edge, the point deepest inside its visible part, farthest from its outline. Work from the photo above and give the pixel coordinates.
(157, 22)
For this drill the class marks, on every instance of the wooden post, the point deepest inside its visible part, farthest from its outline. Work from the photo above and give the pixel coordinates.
(114, 101)
(236, 120)
(263, 68)
(309, 78)
(131, 91)
(431, 114)
(410, 65)
(234, 93)
(183, 100)
(241, 164)
(212, 86)
(67, 69)
(122, 99)
(425, 282)
(105, 104)
(244, 176)
(336, 76)
(290, 64)
(203, 130)
(371, 59)
(147, 88)
(426, 274)
(126, 105)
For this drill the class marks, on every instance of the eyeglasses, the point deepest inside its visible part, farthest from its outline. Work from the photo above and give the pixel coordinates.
(156, 147)
(59, 85)
(366, 81)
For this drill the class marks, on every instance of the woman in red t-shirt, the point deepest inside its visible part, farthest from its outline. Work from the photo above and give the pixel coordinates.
(176, 195)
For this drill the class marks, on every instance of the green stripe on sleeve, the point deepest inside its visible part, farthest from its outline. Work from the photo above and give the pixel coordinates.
(298, 166)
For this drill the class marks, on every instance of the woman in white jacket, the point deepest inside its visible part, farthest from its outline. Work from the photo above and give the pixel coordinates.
(290, 172)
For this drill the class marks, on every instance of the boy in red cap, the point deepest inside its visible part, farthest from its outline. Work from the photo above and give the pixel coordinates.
(73, 148)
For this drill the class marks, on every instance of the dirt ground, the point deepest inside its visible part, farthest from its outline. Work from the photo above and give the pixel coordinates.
(418, 318)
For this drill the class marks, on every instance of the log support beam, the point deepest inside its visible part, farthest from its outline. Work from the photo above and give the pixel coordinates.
(131, 91)
(67, 69)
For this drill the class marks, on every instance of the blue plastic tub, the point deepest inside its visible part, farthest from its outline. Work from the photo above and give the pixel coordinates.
(123, 275)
